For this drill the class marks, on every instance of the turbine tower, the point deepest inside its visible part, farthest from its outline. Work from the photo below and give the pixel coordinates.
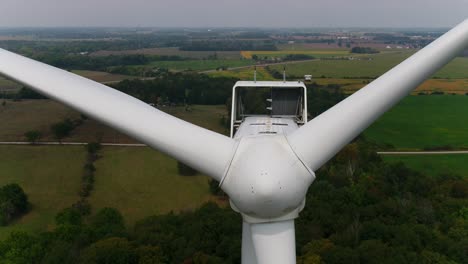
(266, 175)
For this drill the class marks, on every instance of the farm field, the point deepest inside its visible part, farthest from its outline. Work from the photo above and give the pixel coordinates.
(456, 86)
(50, 176)
(420, 122)
(20, 117)
(433, 164)
(140, 182)
(206, 116)
(231, 55)
(245, 74)
(335, 46)
(284, 53)
(369, 67)
(200, 65)
(8, 86)
(448, 86)
(137, 181)
(102, 77)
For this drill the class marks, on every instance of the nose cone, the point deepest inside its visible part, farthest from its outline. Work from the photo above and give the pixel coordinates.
(266, 179)
(264, 187)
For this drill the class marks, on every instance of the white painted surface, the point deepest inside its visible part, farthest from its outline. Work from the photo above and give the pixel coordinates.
(274, 243)
(265, 125)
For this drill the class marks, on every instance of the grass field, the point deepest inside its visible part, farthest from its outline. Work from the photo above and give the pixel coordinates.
(434, 164)
(50, 176)
(230, 55)
(20, 117)
(448, 86)
(284, 53)
(141, 182)
(246, 74)
(424, 121)
(372, 67)
(207, 116)
(103, 77)
(137, 181)
(200, 65)
(8, 86)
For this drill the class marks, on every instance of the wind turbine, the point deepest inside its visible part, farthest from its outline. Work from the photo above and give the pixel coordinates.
(265, 175)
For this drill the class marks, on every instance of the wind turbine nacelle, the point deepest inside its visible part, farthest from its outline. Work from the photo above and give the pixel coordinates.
(266, 180)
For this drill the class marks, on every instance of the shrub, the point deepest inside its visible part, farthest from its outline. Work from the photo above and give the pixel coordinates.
(33, 136)
(13, 202)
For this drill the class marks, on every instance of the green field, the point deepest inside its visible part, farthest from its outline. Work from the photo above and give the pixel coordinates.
(369, 66)
(102, 77)
(172, 51)
(20, 117)
(141, 182)
(8, 86)
(433, 164)
(50, 176)
(137, 181)
(424, 121)
(246, 74)
(284, 53)
(200, 65)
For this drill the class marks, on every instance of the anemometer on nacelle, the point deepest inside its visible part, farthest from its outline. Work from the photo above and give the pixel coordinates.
(267, 107)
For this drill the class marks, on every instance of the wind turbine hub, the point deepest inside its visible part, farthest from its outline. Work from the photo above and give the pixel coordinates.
(266, 180)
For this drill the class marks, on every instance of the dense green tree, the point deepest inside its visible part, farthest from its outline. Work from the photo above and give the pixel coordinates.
(113, 250)
(13, 202)
(21, 248)
(32, 136)
(62, 129)
(108, 222)
(364, 50)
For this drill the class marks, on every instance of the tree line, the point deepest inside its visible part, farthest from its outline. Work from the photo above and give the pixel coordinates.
(359, 210)
(227, 45)
(180, 88)
(364, 50)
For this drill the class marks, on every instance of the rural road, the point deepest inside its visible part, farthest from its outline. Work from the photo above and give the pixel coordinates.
(443, 152)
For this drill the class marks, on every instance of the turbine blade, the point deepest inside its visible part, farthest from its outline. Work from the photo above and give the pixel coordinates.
(320, 139)
(204, 150)
(274, 242)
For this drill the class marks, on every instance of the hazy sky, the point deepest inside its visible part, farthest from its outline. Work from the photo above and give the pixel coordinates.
(220, 13)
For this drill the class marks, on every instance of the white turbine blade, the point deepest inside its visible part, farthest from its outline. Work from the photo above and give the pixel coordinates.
(248, 250)
(274, 242)
(204, 150)
(317, 141)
